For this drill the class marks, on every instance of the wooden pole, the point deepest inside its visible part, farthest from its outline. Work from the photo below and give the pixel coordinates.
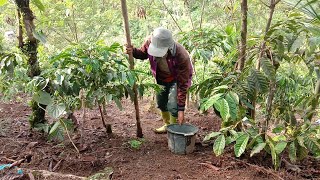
(131, 62)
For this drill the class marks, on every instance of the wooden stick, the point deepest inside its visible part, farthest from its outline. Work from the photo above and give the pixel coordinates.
(83, 106)
(57, 165)
(131, 61)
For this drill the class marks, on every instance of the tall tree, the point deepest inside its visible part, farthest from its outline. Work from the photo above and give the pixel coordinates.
(29, 48)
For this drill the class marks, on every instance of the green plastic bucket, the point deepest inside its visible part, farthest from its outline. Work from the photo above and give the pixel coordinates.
(181, 138)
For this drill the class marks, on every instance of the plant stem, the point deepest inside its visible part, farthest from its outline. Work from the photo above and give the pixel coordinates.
(172, 16)
(65, 127)
(202, 11)
(107, 126)
(272, 7)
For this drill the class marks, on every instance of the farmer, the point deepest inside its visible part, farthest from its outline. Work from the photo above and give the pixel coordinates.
(171, 66)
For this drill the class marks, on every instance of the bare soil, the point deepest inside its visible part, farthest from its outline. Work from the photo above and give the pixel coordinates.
(153, 160)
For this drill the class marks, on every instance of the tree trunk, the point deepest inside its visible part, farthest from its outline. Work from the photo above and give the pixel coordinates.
(20, 32)
(30, 49)
(243, 45)
(131, 61)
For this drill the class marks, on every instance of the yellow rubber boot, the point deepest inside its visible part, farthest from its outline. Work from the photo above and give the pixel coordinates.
(173, 120)
(166, 120)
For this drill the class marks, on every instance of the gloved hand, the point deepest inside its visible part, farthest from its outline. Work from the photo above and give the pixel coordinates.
(180, 117)
(128, 49)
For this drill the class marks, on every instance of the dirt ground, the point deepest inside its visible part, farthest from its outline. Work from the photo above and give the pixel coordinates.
(153, 160)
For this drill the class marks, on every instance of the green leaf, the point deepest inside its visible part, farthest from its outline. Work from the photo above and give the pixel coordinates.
(109, 76)
(131, 79)
(296, 44)
(300, 140)
(312, 145)
(60, 79)
(219, 145)
(292, 152)
(241, 144)
(268, 68)
(246, 103)
(118, 103)
(3, 2)
(109, 98)
(42, 127)
(222, 106)
(57, 133)
(141, 90)
(234, 133)
(220, 87)
(210, 101)
(279, 138)
(253, 140)
(42, 97)
(135, 144)
(280, 147)
(56, 110)
(256, 80)
(211, 135)
(234, 96)
(67, 124)
(39, 4)
(55, 127)
(257, 148)
(40, 36)
(278, 129)
(233, 106)
(274, 155)
(230, 140)
(302, 152)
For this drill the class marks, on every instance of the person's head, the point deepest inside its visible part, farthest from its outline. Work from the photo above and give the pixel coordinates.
(161, 41)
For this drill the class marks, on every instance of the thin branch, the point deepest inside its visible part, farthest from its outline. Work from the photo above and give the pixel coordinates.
(263, 45)
(172, 16)
(189, 13)
(71, 31)
(70, 41)
(65, 127)
(265, 3)
(202, 10)
(75, 26)
(102, 30)
(276, 2)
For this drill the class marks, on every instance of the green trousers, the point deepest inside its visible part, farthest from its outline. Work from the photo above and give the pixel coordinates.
(167, 98)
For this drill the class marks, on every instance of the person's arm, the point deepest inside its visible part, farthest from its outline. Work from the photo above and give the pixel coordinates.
(183, 75)
(142, 52)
